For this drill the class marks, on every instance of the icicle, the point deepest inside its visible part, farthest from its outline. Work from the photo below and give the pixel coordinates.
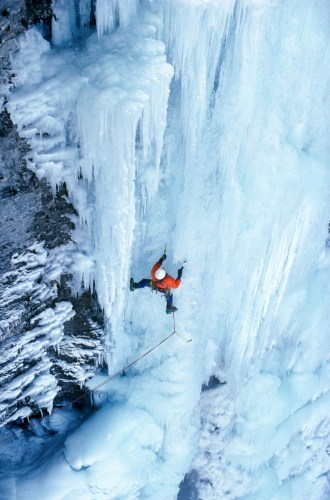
(84, 14)
(105, 16)
(109, 152)
(64, 26)
(195, 51)
(113, 13)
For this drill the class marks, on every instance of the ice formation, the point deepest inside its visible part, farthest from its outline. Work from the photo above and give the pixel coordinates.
(25, 365)
(201, 124)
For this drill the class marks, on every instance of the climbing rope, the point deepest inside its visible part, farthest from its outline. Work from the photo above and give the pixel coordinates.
(90, 391)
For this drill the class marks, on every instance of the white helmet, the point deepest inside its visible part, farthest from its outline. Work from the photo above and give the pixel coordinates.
(160, 273)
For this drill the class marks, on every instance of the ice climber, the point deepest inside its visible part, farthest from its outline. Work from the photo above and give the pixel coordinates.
(161, 282)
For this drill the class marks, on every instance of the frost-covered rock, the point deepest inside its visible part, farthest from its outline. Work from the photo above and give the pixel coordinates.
(41, 350)
(31, 214)
(28, 330)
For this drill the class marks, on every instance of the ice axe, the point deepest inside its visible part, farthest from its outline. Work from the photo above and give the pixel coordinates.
(184, 263)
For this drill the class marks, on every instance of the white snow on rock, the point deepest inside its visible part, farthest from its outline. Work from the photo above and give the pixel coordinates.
(25, 364)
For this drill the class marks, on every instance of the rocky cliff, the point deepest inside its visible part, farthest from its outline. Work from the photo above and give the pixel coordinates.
(51, 339)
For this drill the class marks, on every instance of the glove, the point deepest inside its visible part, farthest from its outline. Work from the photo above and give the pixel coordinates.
(163, 257)
(180, 272)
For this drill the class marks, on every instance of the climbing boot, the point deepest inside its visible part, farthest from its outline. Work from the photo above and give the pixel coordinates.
(171, 309)
(131, 285)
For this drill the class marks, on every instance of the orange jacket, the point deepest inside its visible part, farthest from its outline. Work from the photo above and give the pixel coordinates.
(167, 282)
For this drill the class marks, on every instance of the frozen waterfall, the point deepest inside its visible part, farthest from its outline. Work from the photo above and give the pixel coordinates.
(200, 123)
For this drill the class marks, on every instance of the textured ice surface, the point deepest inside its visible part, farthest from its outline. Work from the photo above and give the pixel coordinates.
(239, 186)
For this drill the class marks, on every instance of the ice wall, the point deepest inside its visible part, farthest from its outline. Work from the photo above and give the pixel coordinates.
(257, 195)
(119, 107)
(242, 187)
(97, 120)
(195, 34)
(250, 187)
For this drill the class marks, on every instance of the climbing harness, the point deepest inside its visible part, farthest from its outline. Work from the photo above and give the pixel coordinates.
(90, 391)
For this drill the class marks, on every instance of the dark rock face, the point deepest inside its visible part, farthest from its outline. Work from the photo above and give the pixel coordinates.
(16, 16)
(81, 351)
(188, 489)
(29, 210)
(17, 208)
(50, 341)
(44, 342)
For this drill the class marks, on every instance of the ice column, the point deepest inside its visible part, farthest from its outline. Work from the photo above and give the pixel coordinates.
(111, 13)
(71, 19)
(95, 118)
(195, 33)
(64, 24)
(123, 101)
